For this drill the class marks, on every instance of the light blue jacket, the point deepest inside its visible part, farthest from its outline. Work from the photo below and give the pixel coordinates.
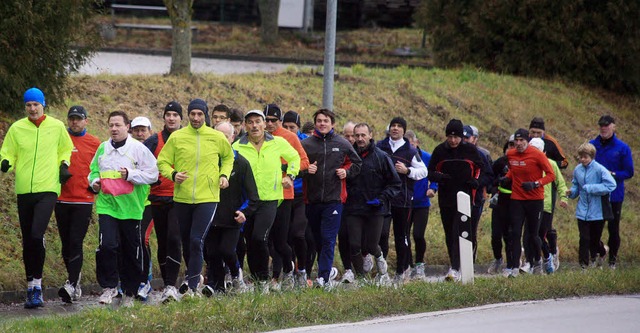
(590, 183)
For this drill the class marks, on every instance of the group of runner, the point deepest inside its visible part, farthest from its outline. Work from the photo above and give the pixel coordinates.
(231, 184)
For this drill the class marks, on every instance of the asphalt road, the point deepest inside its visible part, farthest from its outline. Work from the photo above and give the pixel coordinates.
(580, 315)
(128, 63)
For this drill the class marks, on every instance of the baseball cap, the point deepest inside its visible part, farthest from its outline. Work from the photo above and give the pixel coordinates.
(606, 120)
(77, 111)
(469, 131)
(521, 133)
(140, 121)
(254, 112)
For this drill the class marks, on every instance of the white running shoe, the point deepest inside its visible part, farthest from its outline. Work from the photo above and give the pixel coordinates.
(348, 277)
(169, 294)
(526, 268)
(66, 292)
(107, 295)
(556, 259)
(383, 280)
(333, 274)
(143, 291)
(381, 264)
(319, 283)
(238, 286)
(453, 275)
(367, 263)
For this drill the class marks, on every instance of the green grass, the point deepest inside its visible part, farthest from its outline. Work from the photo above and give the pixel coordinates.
(496, 104)
(254, 312)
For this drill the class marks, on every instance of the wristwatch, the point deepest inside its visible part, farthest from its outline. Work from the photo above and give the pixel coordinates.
(291, 176)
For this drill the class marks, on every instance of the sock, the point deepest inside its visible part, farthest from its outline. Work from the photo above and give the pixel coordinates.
(37, 283)
(30, 284)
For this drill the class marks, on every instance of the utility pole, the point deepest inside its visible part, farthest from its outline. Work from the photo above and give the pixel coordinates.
(329, 54)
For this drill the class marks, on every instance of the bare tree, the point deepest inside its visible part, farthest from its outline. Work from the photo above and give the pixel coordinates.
(269, 20)
(180, 13)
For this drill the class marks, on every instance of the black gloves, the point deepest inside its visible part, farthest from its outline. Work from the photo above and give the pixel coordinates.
(64, 173)
(529, 186)
(439, 177)
(4, 166)
(505, 182)
(473, 183)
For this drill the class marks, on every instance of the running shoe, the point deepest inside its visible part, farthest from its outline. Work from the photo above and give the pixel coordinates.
(348, 277)
(127, 301)
(169, 294)
(143, 291)
(301, 279)
(319, 283)
(367, 263)
(453, 275)
(537, 268)
(549, 268)
(419, 272)
(66, 292)
(381, 265)
(36, 300)
(238, 286)
(333, 274)
(383, 280)
(494, 268)
(526, 268)
(274, 285)
(556, 259)
(107, 295)
(288, 281)
(27, 302)
(207, 291)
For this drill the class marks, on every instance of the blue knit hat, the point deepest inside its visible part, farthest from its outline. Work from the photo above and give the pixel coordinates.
(34, 95)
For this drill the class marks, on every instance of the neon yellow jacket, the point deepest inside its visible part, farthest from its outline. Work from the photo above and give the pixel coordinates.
(266, 164)
(35, 153)
(560, 185)
(205, 154)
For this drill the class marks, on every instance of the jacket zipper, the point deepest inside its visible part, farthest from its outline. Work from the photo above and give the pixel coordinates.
(35, 155)
(324, 168)
(197, 162)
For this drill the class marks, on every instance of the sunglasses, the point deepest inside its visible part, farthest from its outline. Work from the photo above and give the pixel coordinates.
(271, 120)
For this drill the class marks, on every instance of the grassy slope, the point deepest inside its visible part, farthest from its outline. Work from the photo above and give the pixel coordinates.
(496, 104)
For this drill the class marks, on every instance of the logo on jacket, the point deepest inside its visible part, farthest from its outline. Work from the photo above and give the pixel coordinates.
(335, 149)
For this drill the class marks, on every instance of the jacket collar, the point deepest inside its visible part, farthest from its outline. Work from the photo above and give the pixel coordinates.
(108, 148)
(244, 139)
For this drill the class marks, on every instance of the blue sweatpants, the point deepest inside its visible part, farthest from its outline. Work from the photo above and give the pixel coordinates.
(324, 219)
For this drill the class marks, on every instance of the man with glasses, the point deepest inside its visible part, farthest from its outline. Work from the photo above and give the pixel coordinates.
(219, 114)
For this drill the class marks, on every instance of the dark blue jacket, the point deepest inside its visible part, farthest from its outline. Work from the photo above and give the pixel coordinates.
(404, 154)
(615, 155)
(378, 179)
(420, 198)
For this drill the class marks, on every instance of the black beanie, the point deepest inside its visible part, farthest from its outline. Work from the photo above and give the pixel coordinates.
(273, 110)
(400, 121)
(537, 122)
(454, 127)
(291, 117)
(200, 105)
(173, 106)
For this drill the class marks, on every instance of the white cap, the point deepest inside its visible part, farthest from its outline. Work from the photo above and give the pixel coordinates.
(538, 143)
(257, 112)
(140, 121)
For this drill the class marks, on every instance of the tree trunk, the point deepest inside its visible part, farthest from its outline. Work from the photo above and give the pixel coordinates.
(269, 20)
(180, 13)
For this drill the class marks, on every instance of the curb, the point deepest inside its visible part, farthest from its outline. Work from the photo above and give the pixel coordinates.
(267, 59)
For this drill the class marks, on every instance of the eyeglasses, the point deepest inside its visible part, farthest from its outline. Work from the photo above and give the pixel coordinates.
(271, 120)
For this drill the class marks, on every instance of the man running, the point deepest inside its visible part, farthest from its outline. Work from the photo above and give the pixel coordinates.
(163, 211)
(38, 149)
(199, 160)
(75, 203)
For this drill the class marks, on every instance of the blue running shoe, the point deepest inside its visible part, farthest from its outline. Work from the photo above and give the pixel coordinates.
(28, 304)
(549, 267)
(36, 299)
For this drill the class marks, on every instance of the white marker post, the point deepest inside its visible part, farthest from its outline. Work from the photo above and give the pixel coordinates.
(466, 247)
